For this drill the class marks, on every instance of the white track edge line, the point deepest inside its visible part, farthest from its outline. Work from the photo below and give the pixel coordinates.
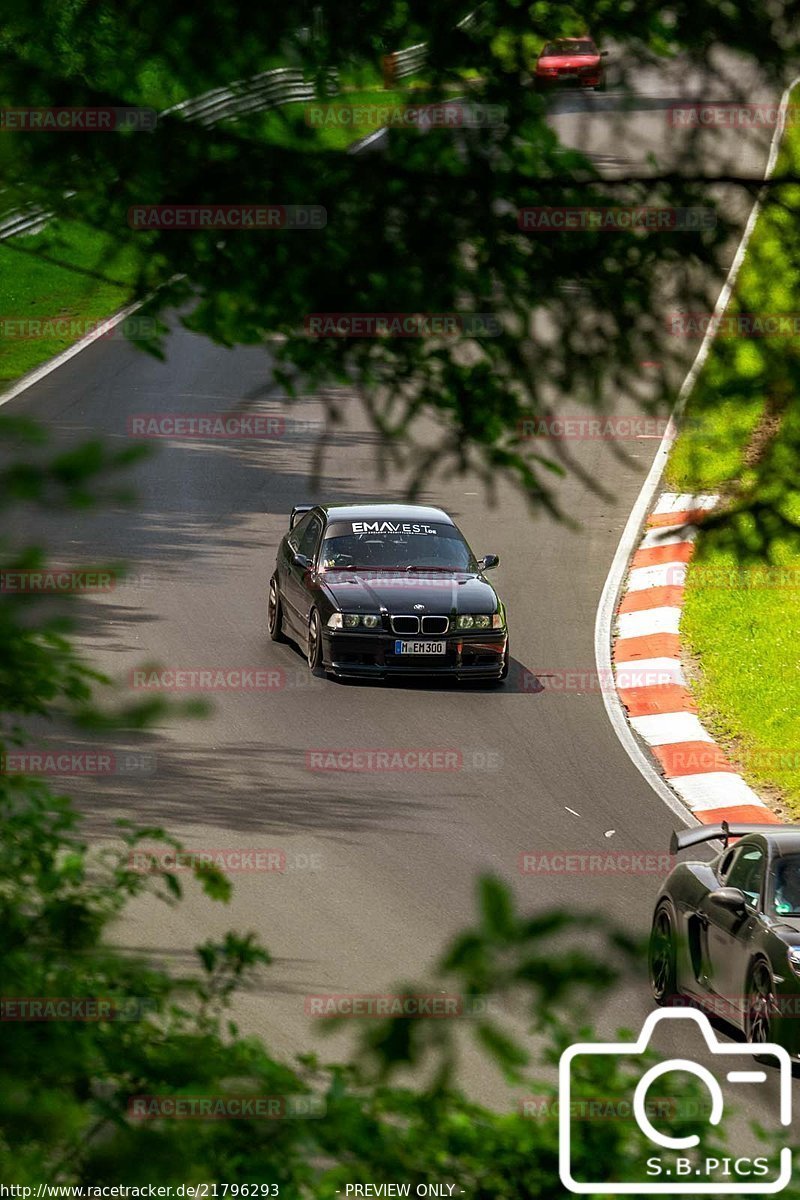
(52, 364)
(627, 543)
(33, 377)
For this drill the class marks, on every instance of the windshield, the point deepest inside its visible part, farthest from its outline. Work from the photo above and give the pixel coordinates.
(560, 49)
(786, 891)
(430, 547)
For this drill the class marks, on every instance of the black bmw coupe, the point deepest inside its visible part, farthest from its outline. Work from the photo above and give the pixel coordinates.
(375, 590)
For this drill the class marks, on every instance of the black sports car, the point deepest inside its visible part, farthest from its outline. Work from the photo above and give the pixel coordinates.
(386, 589)
(726, 933)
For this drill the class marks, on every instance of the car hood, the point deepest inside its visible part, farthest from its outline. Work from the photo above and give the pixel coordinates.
(369, 591)
(570, 60)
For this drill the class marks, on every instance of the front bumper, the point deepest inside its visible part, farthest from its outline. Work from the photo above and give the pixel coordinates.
(467, 655)
(569, 80)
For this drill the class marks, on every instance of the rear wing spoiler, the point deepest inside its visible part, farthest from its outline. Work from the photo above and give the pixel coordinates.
(299, 511)
(684, 838)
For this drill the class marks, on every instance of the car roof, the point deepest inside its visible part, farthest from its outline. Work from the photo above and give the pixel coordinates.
(385, 512)
(780, 841)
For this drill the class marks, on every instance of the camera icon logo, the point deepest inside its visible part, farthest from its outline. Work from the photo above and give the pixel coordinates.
(674, 1165)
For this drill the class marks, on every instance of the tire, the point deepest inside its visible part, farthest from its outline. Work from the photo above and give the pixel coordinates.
(760, 1004)
(314, 651)
(275, 612)
(662, 957)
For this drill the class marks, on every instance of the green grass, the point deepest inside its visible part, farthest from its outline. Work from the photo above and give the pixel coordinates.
(332, 124)
(90, 280)
(741, 619)
(71, 271)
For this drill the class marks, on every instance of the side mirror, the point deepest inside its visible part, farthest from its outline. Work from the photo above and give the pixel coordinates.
(302, 561)
(604, 54)
(488, 562)
(731, 898)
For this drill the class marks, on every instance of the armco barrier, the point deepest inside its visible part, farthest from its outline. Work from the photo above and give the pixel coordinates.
(260, 93)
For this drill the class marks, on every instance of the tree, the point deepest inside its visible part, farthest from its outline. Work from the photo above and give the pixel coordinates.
(429, 227)
(77, 1085)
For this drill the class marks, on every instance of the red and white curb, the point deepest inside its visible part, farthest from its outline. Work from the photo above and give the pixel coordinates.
(648, 674)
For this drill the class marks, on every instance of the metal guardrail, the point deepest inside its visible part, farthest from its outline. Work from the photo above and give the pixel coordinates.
(260, 93)
(413, 58)
(270, 89)
(408, 62)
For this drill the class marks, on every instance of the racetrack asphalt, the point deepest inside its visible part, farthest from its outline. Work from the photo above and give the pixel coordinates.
(384, 864)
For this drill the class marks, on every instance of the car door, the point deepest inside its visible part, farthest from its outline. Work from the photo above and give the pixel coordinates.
(730, 935)
(304, 539)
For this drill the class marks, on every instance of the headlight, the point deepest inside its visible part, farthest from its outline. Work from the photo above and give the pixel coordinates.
(353, 621)
(479, 621)
(794, 959)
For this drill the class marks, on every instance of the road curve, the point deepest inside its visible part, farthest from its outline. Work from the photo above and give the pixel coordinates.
(382, 864)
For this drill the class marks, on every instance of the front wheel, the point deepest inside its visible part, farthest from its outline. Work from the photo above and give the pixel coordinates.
(662, 958)
(275, 613)
(314, 652)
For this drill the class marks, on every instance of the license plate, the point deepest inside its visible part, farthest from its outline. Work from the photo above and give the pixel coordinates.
(419, 647)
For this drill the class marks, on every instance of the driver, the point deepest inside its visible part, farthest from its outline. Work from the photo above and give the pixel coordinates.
(787, 886)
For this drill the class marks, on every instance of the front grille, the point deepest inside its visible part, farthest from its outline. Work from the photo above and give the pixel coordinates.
(405, 624)
(435, 624)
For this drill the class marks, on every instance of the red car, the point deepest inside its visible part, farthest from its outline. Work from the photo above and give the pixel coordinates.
(573, 61)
